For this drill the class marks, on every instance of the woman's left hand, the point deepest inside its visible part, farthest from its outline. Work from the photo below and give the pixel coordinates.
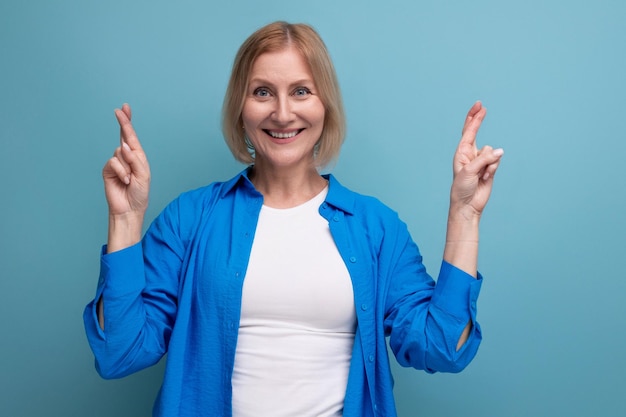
(473, 168)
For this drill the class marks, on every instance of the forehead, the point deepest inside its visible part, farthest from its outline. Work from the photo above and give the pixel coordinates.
(286, 64)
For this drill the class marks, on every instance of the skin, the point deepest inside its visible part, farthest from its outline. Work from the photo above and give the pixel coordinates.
(126, 179)
(474, 170)
(282, 99)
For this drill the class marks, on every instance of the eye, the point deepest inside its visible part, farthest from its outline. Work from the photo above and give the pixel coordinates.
(301, 92)
(261, 92)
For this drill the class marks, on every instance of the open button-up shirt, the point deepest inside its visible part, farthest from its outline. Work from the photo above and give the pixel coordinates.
(179, 292)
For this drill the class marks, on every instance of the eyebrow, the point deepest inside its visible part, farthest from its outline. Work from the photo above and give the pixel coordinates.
(303, 81)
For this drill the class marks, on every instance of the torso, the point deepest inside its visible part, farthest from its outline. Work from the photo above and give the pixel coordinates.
(297, 319)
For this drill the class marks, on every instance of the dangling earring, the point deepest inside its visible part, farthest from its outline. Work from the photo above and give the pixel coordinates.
(248, 143)
(250, 146)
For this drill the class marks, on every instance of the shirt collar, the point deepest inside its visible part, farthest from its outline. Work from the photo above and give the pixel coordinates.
(338, 195)
(241, 178)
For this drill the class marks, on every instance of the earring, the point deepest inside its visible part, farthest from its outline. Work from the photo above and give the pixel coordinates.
(248, 143)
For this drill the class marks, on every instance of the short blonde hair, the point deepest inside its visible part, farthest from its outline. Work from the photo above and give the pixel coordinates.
(272, 38)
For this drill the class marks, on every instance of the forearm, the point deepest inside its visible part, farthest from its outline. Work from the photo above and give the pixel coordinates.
(461, 249)
(100, 310)
(135, 303)
(130, 343)
(124, 231)
(441, 335)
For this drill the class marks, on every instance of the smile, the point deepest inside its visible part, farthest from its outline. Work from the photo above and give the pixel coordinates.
(283, 135)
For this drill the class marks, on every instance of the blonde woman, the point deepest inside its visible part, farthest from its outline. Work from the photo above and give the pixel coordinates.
(272, 293)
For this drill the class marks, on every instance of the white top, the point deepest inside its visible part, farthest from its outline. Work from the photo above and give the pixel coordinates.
(297, 319)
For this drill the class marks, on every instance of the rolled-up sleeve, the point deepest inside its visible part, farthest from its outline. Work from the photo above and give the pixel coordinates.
(425, 319)
(138, 287)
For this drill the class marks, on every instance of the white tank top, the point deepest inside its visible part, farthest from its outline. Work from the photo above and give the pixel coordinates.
(297, 319)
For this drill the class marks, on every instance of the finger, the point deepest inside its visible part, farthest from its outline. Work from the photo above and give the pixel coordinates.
(486, 157)
(138, 165)
(120, 156)
(470, 114)
(490, 171)
(127, 132)
(474, 119)
(115, 166)
(127, 112)
(126, 109)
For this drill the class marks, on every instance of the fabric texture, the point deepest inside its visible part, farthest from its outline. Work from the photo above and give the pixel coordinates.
(179, 292)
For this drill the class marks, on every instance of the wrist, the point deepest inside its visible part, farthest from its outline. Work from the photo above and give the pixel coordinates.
(463, 225)
(462, 241)
(124, 230)
(463, 213)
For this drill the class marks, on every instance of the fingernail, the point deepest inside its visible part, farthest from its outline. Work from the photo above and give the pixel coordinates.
(486, 176)
(125, 145)
(498, 152)
(127, 180)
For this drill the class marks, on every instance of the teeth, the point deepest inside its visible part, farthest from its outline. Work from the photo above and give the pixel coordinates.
(279, 135)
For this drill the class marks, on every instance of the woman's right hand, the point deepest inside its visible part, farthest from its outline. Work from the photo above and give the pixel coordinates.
(127, 184)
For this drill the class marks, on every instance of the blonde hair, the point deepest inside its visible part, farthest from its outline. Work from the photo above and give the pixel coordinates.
(272, 38)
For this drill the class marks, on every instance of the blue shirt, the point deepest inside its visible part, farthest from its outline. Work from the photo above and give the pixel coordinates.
(179, 292)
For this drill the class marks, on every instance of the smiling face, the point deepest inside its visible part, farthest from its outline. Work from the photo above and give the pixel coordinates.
(283, 116)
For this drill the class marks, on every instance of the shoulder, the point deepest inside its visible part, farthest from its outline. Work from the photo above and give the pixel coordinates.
(357, 204)
(370, 223)
(205, 196)
(198, 197)
(185, 212)
(366, 213)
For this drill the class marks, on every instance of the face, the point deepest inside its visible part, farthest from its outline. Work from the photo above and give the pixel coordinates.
(282, 114)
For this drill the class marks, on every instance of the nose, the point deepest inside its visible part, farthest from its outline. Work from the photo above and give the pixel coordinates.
(283, 112)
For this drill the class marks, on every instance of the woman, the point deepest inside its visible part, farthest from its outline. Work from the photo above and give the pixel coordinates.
(272, 293)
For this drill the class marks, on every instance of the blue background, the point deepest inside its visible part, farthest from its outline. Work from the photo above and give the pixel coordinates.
(551, 73)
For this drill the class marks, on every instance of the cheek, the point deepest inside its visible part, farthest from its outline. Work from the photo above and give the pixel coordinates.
(317, 113)
(321, 118)
(251, 114)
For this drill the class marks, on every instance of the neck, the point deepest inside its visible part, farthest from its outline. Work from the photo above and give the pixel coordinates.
(287, 188)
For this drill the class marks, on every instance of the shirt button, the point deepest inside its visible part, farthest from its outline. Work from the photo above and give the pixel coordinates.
(363, 307)
(370, 358)
(324, 206)
(336, 219)
(473, 305)
(353, 259)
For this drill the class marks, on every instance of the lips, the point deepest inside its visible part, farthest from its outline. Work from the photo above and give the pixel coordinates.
(282, 135)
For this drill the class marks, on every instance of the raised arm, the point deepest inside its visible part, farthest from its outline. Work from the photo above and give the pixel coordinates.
(126, 184)
(474, 170)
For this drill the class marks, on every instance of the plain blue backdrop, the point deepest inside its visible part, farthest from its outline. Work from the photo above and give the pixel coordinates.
(551, 73)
